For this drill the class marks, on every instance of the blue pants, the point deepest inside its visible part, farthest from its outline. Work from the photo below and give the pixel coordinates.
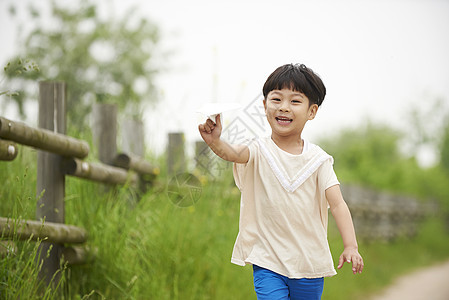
(272, 286)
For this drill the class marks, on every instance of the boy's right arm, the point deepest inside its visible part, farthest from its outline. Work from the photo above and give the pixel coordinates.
(211, 132)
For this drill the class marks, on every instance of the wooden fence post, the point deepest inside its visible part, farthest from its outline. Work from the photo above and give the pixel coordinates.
(133, 137)
(50, 178)
(175, 154)
(105, 131)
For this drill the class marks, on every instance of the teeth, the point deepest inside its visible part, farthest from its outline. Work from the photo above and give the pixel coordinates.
(283, 120)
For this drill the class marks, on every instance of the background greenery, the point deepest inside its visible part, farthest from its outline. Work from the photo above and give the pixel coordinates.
(81, 49)
(148, 248)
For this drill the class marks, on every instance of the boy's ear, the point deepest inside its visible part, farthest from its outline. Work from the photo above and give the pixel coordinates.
(265, 104)
(313, 109)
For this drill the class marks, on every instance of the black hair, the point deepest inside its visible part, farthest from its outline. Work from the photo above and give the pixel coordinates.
(299, 78)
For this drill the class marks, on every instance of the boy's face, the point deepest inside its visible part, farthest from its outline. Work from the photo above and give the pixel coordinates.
(288, 111)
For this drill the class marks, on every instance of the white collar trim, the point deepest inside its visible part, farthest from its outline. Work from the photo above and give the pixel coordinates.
(287, 183)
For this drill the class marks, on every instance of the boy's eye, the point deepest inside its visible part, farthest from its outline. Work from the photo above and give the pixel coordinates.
(276, 99)
(296, 101)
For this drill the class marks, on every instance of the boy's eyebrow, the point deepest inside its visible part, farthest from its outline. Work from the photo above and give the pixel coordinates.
(294, 93)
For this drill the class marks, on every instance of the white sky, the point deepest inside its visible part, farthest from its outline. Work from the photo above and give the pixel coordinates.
(376, 58)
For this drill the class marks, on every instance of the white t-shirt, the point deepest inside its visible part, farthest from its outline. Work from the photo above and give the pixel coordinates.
(284, 211)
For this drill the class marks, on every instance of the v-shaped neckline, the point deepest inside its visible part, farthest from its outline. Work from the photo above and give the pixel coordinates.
(291, 184)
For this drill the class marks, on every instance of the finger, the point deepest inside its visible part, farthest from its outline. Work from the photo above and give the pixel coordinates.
(351, 261)
(340, 262)
(361, 265)
(357, 266)
(210, 122)
(204, 129)
(218, 120)
(209, 126)
(354, 265)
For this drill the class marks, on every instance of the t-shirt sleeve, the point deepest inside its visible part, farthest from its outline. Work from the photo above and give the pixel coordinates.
(239, 170)
(326, 175)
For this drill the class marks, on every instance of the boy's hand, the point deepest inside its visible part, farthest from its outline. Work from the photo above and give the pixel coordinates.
(351, 255)
(210, 131)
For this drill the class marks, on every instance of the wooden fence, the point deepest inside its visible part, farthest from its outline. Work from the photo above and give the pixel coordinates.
(60, 155)
(384, 216)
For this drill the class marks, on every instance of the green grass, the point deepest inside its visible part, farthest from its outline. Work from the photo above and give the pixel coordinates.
(154, 249)
(19, 273)
(147, 248)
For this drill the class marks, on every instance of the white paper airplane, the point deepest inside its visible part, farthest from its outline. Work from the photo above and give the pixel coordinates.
(211, 110)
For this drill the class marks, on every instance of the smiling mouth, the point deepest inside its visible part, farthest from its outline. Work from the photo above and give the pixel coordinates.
(283, 120)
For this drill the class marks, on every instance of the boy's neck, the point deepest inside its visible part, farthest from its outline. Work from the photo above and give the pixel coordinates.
(292, 145)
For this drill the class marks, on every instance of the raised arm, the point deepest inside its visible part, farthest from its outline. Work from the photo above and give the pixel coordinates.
(342, 216)
(211, 132)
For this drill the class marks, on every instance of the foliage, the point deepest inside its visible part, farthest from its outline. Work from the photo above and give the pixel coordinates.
(421, 130)
(100, 59)
(424, 132)
(362, 155)
(370, 155)
(20, 267)
(444, 156)
(19, 272)
(19, 68)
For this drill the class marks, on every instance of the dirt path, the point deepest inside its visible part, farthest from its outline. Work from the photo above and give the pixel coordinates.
(425, 284)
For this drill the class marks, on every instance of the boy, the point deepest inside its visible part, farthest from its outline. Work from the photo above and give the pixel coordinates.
(287, 186)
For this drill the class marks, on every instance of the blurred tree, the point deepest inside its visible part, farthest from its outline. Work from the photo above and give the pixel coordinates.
(370, 155)
(20, 67)
(363, 154)
(103, 60)
(427, 121)
(444, 152)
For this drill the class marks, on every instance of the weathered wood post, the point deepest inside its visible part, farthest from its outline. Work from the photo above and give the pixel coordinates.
(50, 178)
(133, 151)
(175, 154)
(105, 131)
(133, 140)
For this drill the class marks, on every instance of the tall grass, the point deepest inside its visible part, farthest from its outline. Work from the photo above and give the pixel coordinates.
(153, 249)
(19, 272)
(145, 247)
(20, 261)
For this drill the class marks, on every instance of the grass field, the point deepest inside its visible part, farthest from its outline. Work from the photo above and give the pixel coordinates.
(148, 248)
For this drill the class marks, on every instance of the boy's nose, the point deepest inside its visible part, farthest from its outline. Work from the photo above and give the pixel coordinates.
(284, 107)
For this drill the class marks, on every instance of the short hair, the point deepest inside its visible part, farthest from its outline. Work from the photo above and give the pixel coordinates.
(299, 78)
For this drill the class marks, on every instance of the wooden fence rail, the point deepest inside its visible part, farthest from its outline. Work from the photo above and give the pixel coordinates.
(37, 230)
(132, 162)
(97, 172)
(43, 139)
(8, 150)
